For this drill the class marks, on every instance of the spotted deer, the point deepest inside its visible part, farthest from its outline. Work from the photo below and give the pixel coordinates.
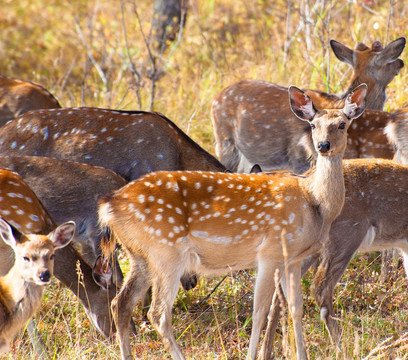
(172, 223)
(18, 97)
(253, 123)
(131, 143)
(20, 207)
(374, 218)
(21, 290)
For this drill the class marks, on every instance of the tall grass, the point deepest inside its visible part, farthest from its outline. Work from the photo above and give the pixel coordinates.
(77, 49)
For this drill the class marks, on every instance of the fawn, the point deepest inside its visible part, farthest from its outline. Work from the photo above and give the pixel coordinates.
(21, 289)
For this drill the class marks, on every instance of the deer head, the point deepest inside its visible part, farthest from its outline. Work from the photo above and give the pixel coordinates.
(35, 253)
(329, 127)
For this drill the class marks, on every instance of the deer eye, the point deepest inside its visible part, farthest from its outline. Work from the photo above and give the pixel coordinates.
(26, 258)
(342, 125)
(313, 126)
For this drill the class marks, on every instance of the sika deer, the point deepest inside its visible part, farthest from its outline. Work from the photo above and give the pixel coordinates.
(172, 223)
(131, 143)
(253, 123)
(374, 218)
(18, 97)
(21, 208)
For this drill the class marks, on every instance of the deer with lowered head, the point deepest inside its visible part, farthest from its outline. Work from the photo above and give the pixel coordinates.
(253, 124)
(131, 143)
(22, 288)
(172, 223)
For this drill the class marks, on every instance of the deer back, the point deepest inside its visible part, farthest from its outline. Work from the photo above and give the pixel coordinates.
(129, 143)
(253, 123)
(18, 97)
(193, 213)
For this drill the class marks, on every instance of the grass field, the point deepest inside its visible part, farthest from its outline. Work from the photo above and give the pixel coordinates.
(79, 51)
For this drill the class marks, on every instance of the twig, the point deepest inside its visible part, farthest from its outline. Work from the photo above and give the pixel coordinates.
(213, 290)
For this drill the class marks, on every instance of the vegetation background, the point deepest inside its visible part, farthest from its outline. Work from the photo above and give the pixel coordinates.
(95, 53)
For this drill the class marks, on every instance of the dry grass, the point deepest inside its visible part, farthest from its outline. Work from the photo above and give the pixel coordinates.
(223, 41)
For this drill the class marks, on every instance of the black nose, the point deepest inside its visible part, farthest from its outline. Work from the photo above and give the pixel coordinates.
(324, 146)
(45, 276)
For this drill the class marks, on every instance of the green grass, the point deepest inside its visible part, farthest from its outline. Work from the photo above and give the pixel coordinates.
(223, 41)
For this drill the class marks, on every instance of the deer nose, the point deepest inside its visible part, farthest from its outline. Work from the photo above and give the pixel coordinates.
(324, 146)
(45, 276)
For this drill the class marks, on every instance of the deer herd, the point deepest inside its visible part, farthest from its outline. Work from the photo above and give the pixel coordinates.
(134, 180)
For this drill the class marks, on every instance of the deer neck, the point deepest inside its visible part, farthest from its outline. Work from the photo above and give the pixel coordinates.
(375, 98)
(325, 187)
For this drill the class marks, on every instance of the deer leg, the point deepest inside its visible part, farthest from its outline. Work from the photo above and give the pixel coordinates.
(164, 291)
(36, 340)
(327, 275)
(295, 304)
(273, 318)
(277, 306)
(264, 289)
(134, 287)
(404, 252)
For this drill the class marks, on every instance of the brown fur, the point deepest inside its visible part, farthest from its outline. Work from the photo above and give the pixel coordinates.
(18, 97)
(130, 143)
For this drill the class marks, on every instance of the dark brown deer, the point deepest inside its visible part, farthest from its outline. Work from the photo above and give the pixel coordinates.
(131, 143)
(20, 207)
(18, 97)
(172, 223)
(69, 191)
(374, 218)
(253, 123)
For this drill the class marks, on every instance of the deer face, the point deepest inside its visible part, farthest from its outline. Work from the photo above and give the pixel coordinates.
(329, 132)
(35, 253)
(35, 257)
(329, 127)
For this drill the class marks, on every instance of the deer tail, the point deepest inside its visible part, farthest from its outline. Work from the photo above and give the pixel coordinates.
(108, 241)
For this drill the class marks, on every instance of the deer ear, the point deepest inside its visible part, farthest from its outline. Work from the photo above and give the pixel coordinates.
(342, 52)
(63, 234)
(391, 52)
(102, 272)
(9, 234)
(301, 104)
(355, 102)
(6, 233)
